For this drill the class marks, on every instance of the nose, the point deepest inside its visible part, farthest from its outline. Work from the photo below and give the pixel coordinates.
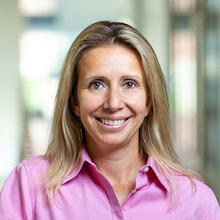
(114, 100)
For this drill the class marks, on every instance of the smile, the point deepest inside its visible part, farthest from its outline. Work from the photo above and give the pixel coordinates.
(112, 122)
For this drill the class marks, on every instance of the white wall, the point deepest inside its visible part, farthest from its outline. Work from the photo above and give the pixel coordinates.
(10, 102)
(153, 19)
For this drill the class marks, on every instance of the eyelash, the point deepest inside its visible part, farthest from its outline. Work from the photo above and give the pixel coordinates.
(130, 82)
(93, 84)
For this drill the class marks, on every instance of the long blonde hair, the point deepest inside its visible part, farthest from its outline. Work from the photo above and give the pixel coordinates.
(66, 140)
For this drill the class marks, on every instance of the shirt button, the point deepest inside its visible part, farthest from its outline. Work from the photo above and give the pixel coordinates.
(146, 169)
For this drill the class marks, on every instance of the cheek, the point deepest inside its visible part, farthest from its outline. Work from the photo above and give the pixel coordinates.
(141, 108)
(138, 103)
(88, 104)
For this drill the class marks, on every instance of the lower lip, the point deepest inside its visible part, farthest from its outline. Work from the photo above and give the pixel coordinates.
(112, 127)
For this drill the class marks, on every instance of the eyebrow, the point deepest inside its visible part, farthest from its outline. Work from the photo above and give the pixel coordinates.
(95, 77)
(101, 77)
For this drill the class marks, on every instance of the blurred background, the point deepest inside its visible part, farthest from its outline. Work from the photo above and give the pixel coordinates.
(35, 37)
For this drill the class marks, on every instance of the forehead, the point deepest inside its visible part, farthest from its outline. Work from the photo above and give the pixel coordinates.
(110, 48)
(110, 58)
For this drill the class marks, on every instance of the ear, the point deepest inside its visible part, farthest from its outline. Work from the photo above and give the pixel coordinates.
(148, 108)
(75, 107)
(76, 110)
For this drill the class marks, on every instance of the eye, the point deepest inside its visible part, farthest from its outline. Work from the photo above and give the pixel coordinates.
(130, 85)
(95, 84)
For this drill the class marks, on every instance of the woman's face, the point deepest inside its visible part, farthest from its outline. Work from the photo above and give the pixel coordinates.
(112, 99)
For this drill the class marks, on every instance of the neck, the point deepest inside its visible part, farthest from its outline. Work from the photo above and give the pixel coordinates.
(118, 164)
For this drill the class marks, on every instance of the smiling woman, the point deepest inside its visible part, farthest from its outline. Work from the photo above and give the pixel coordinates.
(112, 99)
(110, 154)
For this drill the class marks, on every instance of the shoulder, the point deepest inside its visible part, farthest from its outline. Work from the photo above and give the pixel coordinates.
(34, 164)
(18, 194)
(194, 187)
(30, 171)
(33, 168)
(199, 196)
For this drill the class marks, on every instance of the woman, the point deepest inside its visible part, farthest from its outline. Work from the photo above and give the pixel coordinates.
(110, 155)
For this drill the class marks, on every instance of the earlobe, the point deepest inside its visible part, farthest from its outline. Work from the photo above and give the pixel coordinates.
(74, 107)
(148, 108)
(76, 110)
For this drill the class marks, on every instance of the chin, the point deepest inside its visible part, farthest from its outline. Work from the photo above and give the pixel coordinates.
(112, 143)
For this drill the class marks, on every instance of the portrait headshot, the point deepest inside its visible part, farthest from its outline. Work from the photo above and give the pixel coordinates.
(111, 153)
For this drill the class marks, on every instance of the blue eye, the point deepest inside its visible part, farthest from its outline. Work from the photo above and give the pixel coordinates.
(130, 85)
(95, 85)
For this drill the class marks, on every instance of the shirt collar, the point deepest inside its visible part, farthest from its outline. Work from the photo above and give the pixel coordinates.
(84, 158)
(158, 173)
(150, 163)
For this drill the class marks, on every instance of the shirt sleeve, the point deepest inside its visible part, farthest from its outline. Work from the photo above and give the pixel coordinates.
(15, 197)
(213, 209)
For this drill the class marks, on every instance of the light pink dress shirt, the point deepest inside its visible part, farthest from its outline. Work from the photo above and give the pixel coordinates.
(87, 195)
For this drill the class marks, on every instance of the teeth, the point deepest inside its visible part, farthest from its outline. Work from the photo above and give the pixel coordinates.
(112, 122)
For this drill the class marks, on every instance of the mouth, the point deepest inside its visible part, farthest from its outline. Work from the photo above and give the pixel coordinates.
(112, 122)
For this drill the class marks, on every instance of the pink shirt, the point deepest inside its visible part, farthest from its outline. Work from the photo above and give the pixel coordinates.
(87, 195)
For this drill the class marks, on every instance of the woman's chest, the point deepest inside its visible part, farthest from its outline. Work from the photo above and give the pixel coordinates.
(91, 201)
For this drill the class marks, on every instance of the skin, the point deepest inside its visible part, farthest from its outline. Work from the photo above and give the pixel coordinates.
(112, 86)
